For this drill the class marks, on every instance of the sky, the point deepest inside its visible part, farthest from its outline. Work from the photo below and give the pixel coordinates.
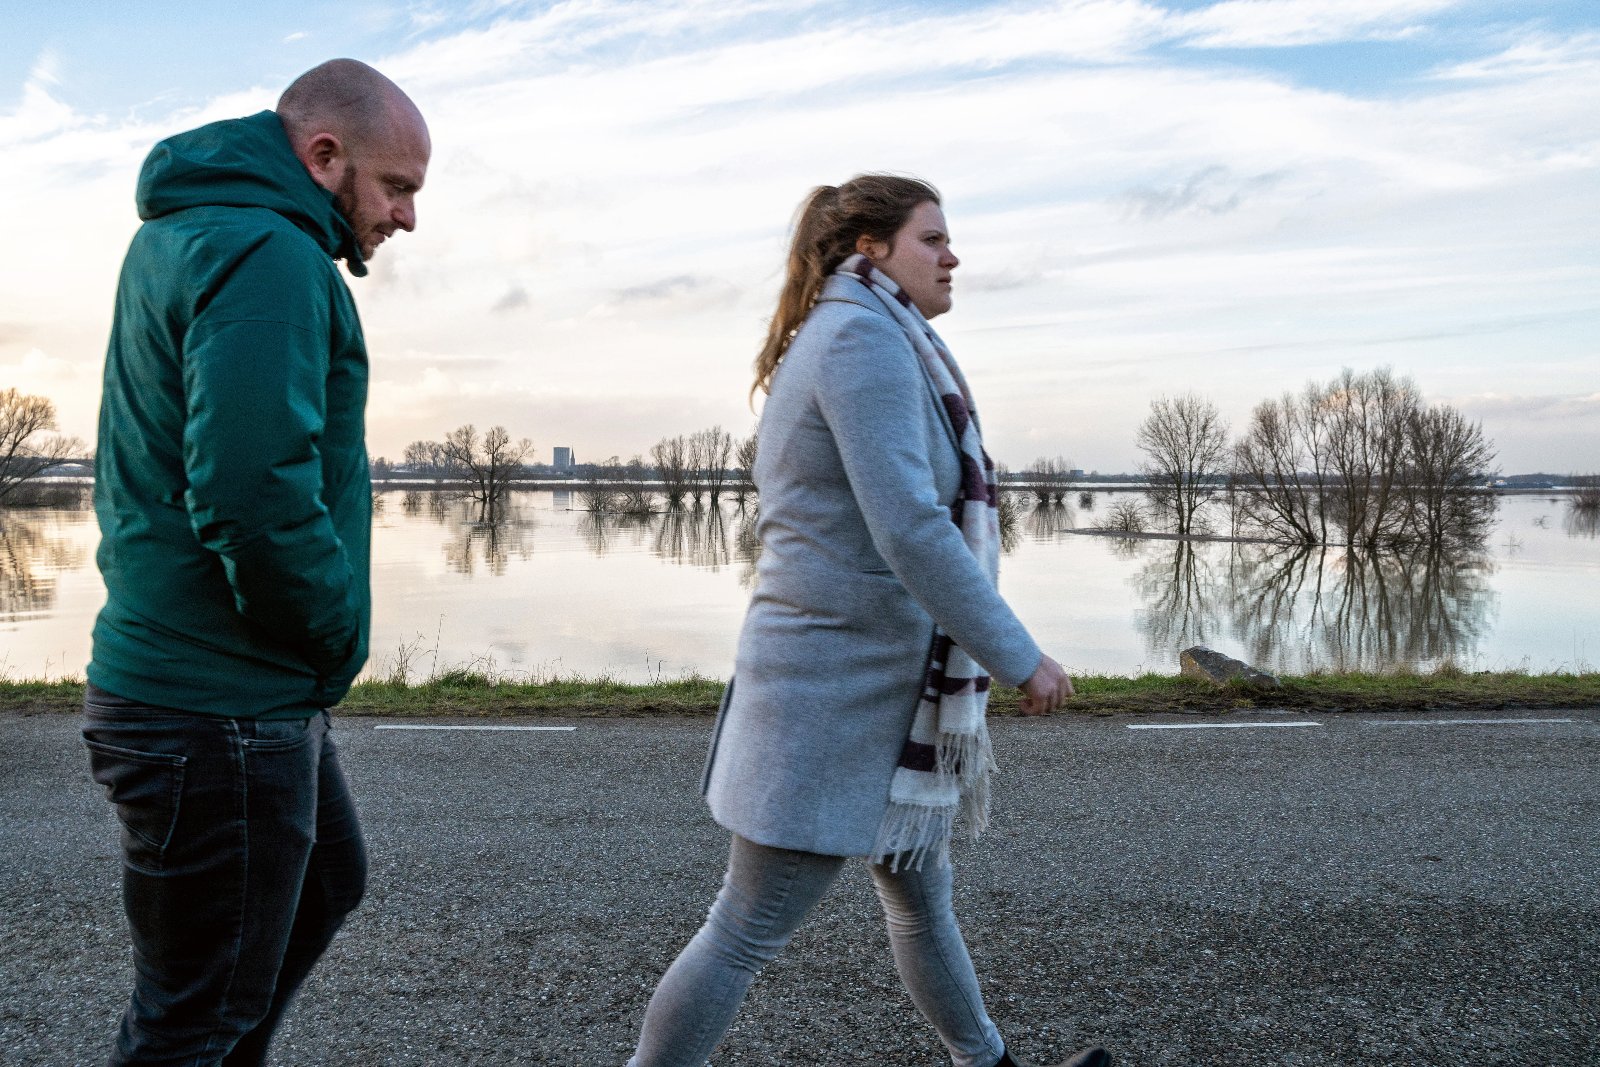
(1149, 198)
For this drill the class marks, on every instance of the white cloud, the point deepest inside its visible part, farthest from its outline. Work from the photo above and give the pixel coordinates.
(1284, 23)
(1540, 55)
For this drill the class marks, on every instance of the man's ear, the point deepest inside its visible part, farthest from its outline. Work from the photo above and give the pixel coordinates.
(325, 159)
(873, 250)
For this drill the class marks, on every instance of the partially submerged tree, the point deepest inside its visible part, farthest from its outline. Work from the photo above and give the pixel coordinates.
(1185, 443)
(1367, 418)
(1048, 478)
(671, 458)
(634, 497)
(27, 447)
(1364, 458)
(1278, 469)
(744, 462)
(1446, 503)
(487, 464)
(712, 450)
(1586, 492)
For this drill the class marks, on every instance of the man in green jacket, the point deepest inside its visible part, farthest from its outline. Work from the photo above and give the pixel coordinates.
(234, 503)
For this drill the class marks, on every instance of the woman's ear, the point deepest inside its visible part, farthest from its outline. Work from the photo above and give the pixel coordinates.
(872, 249)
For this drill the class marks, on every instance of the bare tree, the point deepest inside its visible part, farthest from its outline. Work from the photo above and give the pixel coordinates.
(1048, 478)
(744, 460)
(1185, 443)
(426, 457)
(671, 458)
(694, 463)
(1278, 469)
(1446, 503)
(715, 448)
(1586, 492)
(27, 448)
(1367, 418)
(1125, 517)
(488, 464)
(635, 497)
(600, 493)
(1363, 456)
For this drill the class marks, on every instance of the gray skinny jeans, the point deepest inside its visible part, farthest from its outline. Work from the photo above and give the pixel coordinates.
(765, 896)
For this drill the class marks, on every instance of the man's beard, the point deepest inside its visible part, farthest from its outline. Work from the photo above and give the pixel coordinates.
(344, 201)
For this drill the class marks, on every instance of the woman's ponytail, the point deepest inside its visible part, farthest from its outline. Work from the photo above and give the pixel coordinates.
(825, 232)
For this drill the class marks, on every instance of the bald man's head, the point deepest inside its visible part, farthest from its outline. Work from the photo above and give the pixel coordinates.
(345, 96)
(361, 138)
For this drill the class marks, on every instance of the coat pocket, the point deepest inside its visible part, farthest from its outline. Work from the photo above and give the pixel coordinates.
(145, 788)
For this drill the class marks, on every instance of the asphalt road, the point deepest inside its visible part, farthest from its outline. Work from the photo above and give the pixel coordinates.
(1364, 891)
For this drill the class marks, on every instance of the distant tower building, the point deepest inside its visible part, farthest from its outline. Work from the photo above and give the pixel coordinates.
(564, 459)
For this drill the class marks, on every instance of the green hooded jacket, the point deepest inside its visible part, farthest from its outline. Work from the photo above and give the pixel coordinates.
(231, 480)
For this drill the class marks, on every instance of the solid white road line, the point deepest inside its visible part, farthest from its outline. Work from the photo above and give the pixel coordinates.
(1215, 725)
(1458, 722)
(498, 728)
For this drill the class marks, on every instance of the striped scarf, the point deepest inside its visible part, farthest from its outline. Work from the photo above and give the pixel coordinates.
(945, 764)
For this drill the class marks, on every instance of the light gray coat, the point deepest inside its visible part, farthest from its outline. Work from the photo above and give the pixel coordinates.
(856, 470)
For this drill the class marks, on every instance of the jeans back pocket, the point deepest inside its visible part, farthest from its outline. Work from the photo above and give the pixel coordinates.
(145, 788)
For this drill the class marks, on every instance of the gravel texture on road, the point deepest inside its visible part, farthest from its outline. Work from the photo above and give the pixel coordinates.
(1351, 893)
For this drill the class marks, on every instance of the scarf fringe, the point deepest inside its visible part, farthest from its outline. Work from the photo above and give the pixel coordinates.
(910, 833)
(912, 830)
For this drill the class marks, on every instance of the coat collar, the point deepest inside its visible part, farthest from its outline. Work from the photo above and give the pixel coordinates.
(845, 289)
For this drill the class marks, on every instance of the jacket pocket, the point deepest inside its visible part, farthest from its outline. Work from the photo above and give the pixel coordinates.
(145, 788)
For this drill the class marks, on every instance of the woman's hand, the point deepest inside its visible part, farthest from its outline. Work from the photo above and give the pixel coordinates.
(1045, 691)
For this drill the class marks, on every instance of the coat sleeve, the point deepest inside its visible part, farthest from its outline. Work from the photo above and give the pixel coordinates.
(256, 362)
(873, 396)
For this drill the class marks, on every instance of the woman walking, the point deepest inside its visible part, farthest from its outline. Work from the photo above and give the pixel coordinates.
(854, 725)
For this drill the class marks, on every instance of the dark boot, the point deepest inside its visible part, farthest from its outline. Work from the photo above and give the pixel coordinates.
(1089, 1057)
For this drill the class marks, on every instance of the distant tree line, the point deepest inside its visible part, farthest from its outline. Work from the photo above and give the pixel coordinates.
(685, 468)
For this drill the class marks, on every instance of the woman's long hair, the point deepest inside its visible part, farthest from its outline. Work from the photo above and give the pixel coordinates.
(825, 232)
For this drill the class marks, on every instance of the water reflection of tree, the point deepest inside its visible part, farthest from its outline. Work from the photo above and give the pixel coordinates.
(490, 545)
(600, 530)
(1048, 522)
(1178, 591)
(696, 535)
(1581, 522)
(30, 559)
(1298, 609)
(746, 542)
(475, 543)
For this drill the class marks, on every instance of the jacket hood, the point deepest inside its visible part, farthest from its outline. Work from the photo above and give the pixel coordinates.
(244, 163)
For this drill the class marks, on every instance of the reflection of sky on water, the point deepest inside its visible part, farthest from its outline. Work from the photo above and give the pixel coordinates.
(49, 591)
(559, 591)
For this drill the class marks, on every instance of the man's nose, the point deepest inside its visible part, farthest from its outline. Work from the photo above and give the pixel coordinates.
(405, 216)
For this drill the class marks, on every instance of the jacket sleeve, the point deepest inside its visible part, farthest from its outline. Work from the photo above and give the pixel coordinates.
(873, 396)
(256, 362)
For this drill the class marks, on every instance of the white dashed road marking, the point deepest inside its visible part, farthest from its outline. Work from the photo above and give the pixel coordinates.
(500, 728)
(1457, 722)
(1215, 725)
(1367, 722)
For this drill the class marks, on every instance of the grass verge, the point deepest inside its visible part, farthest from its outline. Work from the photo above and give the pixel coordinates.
(466, 694)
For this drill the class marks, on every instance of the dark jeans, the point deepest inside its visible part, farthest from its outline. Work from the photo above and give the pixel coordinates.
(242, 855)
